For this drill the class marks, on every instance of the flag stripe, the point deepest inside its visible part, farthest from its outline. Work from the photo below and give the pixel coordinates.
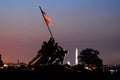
(46, 18)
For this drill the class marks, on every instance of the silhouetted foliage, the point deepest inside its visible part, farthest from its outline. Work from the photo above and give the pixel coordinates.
(89, 58)
(1, 62)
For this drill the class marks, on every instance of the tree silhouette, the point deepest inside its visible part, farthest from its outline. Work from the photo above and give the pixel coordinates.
(89, 58)
(1, 62)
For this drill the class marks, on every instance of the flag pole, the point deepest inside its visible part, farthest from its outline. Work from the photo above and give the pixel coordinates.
(46, 21)
(49, 30)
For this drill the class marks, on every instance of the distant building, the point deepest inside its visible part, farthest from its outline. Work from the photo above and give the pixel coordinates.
(76, 56)
(15, 64)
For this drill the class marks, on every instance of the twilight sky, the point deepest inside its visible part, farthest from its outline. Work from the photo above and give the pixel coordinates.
(76, 24)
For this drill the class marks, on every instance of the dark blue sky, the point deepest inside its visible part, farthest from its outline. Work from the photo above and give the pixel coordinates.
(76, 24)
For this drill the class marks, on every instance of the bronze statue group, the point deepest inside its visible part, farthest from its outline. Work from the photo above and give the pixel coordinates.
(50, 53)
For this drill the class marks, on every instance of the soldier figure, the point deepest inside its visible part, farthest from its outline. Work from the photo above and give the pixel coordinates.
(50, 52)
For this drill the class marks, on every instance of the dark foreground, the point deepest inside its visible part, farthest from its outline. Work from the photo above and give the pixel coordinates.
(55, 76)
(37, 75)
(55, 72)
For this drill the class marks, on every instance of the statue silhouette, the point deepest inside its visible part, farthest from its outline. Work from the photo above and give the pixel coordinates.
(58, 56)
(49, 53)
(41, 54)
